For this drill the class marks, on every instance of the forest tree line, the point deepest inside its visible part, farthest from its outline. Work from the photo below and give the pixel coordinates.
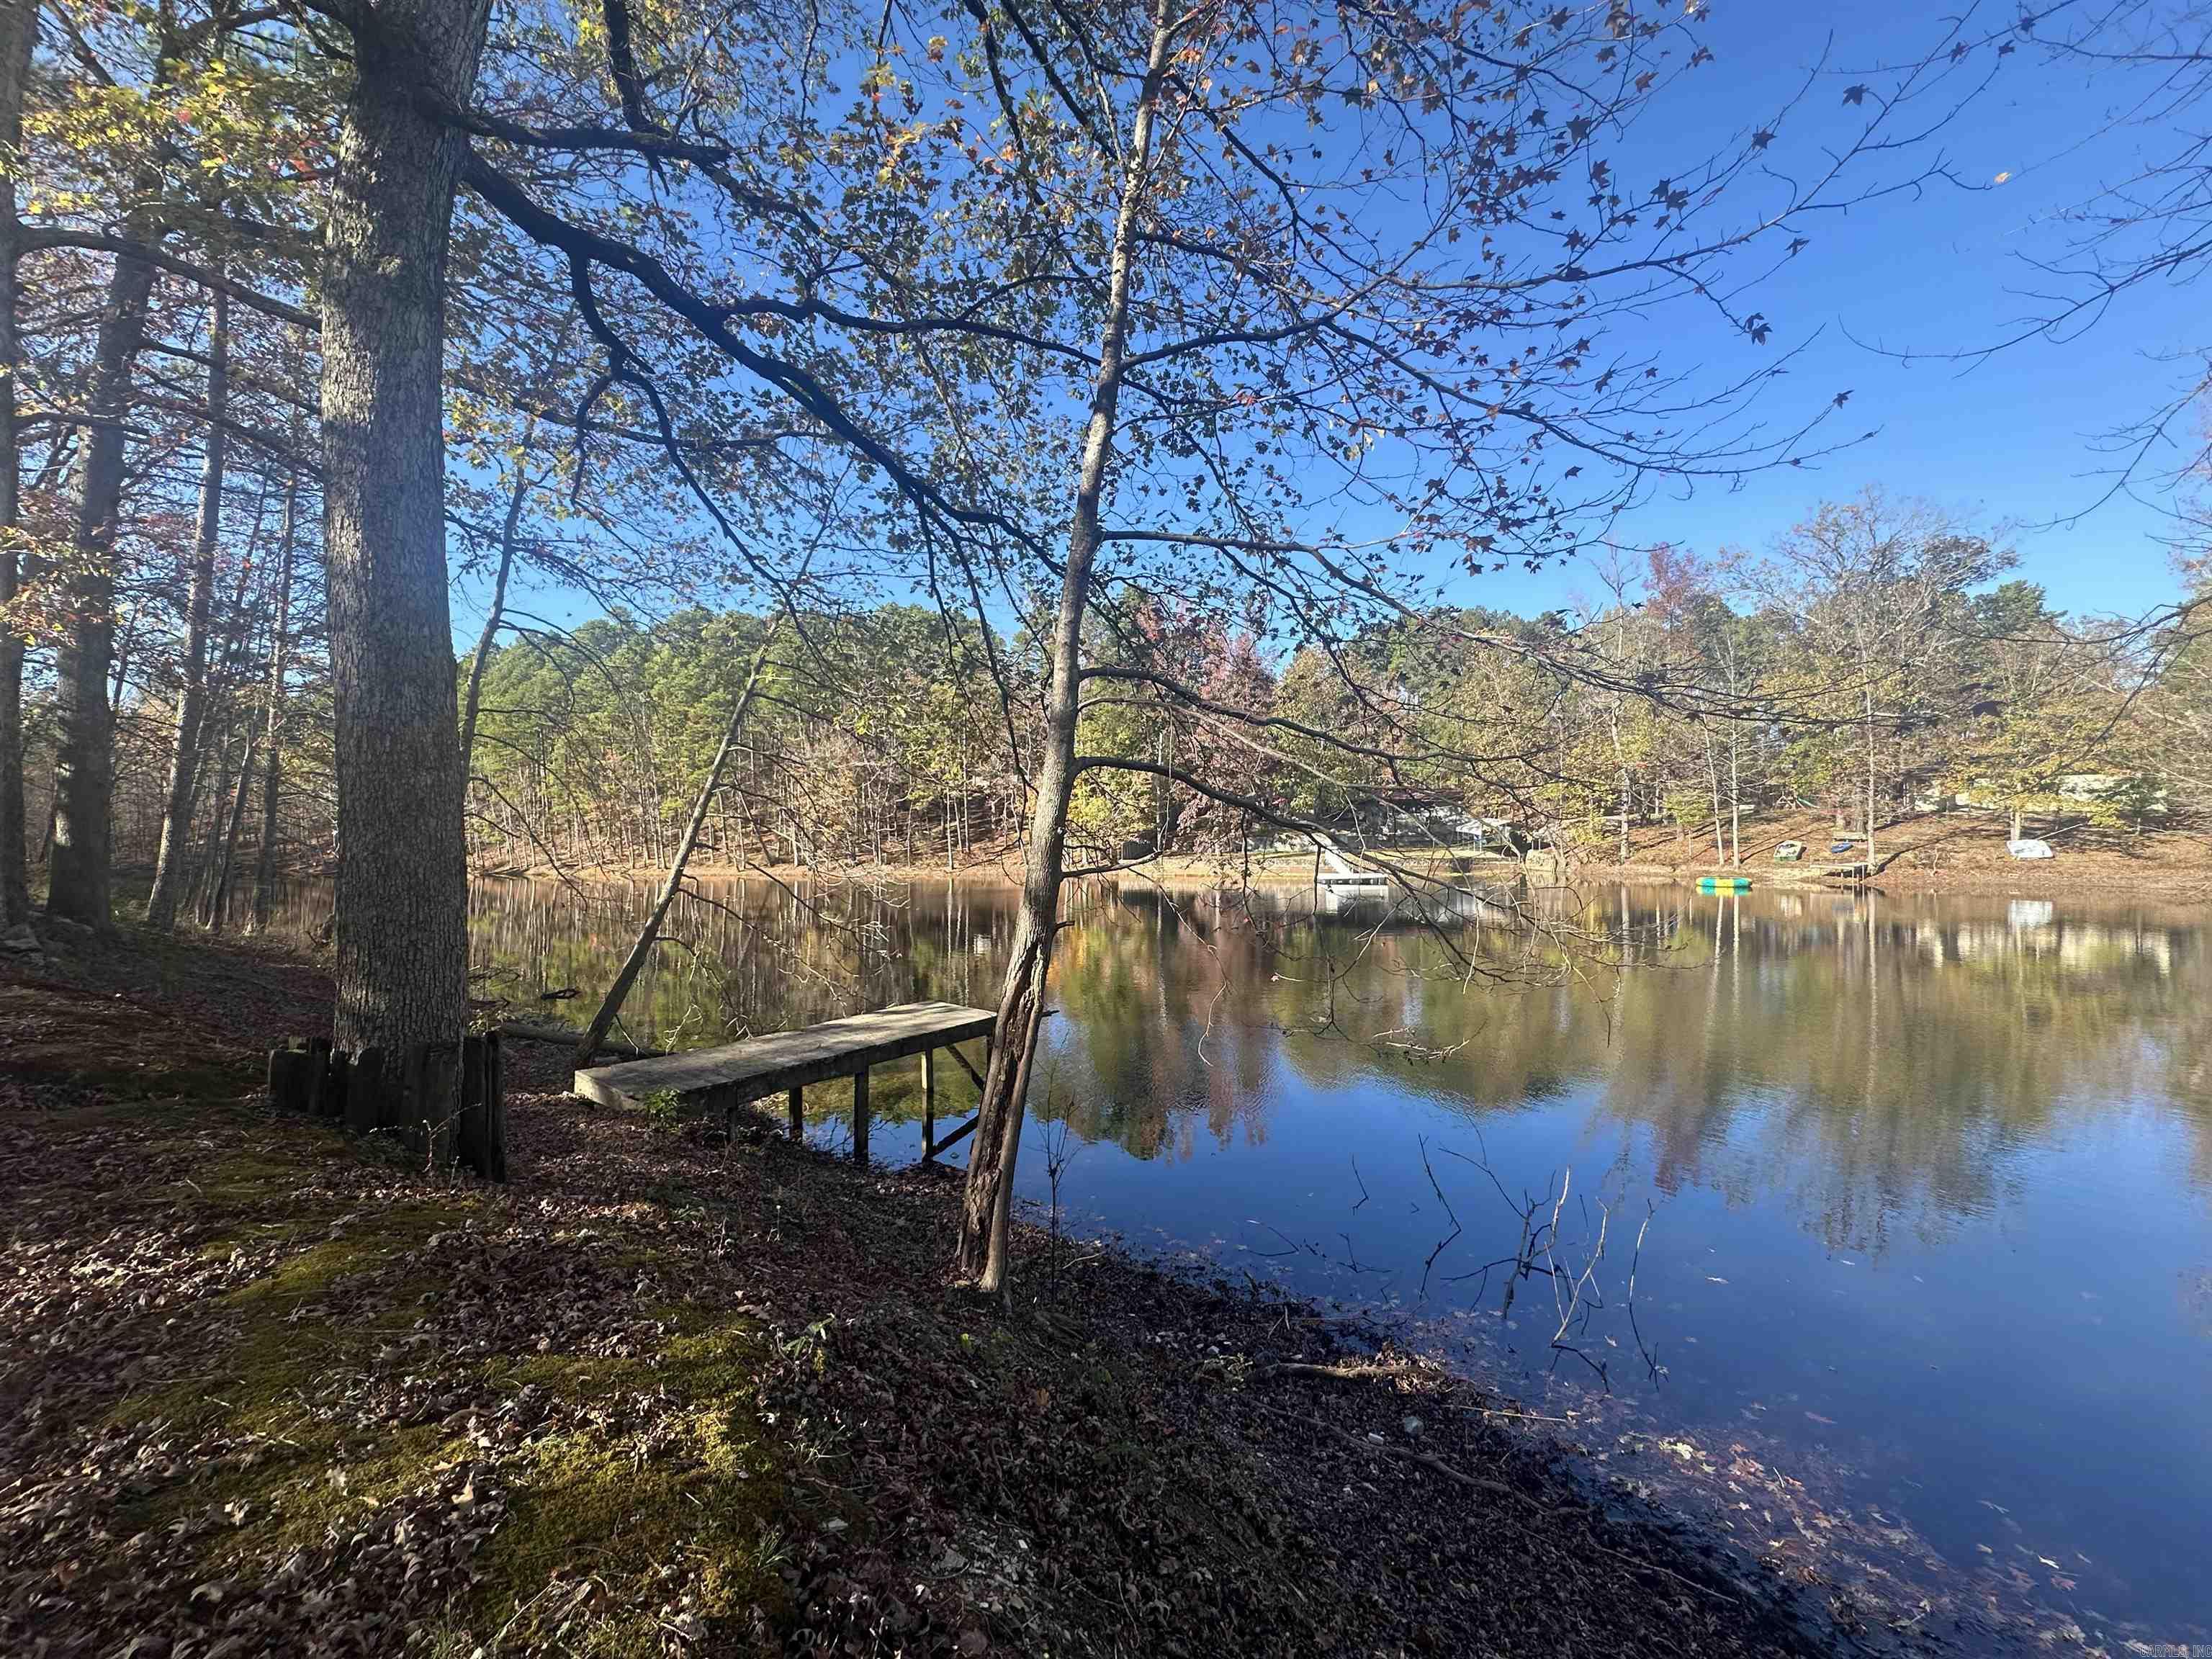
(1877, 660)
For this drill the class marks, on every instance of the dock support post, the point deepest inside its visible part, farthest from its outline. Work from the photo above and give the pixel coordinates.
(861, 1116)
(928, 1104)
(796, 1106)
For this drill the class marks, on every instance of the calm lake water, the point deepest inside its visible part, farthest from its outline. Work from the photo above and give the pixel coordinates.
(1923, 1296)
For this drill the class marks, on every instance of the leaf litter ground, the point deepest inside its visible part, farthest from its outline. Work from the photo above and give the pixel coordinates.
(675, 1391)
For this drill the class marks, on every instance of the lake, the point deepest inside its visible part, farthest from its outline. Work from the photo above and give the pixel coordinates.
(1914, 1193)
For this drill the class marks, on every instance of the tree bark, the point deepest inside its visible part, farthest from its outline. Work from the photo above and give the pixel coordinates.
(272, 762)
(402, 910)
(1735, 798)
(202, 887)
(1713, 773)
(19, 27)
(987, 1204)
(1869, 763)
(219, 888)
(77, 879)
(641, 950)
(191, 700)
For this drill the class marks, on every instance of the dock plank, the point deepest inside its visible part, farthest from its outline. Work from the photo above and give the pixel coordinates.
(783, 1060)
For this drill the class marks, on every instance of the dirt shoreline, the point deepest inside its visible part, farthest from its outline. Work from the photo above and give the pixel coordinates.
(1939, 854)
(670, 1392)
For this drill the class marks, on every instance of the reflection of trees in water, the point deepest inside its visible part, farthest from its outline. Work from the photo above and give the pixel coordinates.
(1167, 1013)
(739, 956)
(1875, 1059)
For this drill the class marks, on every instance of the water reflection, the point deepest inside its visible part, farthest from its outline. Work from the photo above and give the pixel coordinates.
(1933, 1175)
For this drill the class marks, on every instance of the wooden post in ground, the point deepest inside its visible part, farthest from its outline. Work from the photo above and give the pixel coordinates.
(494, 1063)
(337, 1076)
(441, 1101)
(318, 1077)
(365, 1107)
(287, 1078)
(796, 1105)
(861, 1116)
(928, 1104)
(447, 1100)
(472, 1125)
(407, 1095)
(428, 1091)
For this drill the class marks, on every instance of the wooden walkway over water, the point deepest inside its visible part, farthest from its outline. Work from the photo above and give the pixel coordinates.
(785, 1062)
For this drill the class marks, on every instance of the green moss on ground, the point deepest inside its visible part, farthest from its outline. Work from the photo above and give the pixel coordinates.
(602, 1515)
(673, 1392)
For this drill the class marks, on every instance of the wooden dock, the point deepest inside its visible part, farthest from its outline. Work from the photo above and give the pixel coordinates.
(1338, 876)
(1830, 874)
(785, 1062)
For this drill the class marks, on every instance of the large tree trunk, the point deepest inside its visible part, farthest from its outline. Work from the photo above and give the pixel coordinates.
(191, 700)
(403, 874)
(641, 950)
(19, 27)
(987, 1204)
(77, 876)
(265, 857)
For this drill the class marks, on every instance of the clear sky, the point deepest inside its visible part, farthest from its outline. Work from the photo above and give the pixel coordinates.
(2013, 439)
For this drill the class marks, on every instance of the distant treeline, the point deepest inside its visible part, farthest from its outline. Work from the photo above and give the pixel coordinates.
(1876, 662)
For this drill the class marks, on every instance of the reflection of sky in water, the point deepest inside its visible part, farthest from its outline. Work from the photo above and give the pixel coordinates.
(1933, 1176)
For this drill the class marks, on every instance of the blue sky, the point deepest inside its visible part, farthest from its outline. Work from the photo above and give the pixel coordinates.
(2014, 439)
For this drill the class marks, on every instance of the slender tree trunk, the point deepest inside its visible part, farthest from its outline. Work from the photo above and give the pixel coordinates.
(272, 761)
(493, 617)
(641, 951)
(191, 701)
(1713, 772)
(401, 915)
(1869, 780)
(218, 903)
(1735, 798)
(78, 881)
(987, 1206)
(218, 799)
(19, 27)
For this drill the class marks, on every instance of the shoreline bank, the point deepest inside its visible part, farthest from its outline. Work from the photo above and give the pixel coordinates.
(670, 1381)
(2171, 865)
